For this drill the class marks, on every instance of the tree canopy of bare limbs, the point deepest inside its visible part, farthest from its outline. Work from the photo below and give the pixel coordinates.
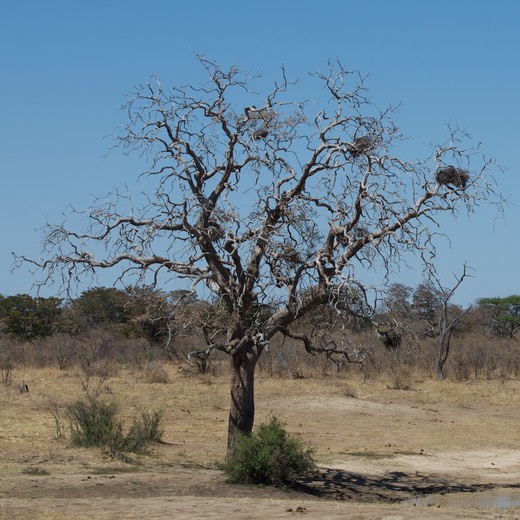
(269, 201)
(450, 316)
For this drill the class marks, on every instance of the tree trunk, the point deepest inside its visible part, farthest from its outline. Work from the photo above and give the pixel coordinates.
(444, 350)
(242, 410)
(440, 371)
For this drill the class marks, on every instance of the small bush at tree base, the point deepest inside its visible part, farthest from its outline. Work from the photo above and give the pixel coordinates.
(270, 456)
(94, 423)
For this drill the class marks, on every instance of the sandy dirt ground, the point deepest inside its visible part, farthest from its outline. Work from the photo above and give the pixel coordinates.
(375, 450)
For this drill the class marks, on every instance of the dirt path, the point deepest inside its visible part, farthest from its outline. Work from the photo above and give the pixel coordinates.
(350, 488)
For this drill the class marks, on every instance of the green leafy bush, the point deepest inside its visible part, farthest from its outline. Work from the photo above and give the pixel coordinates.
(95, 423)
(141, 433)
(270, 456)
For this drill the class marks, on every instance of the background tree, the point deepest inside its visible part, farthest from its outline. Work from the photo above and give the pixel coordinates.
(99, 306)
(397, 301)
(427, 300)
(504, 314)
(449, 318)
(148, 314)
(26, 318)
(284, 203)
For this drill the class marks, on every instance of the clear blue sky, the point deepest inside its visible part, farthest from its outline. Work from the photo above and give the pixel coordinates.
(66, 67)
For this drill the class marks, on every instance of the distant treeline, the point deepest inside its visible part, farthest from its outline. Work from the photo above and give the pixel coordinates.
(140, 323)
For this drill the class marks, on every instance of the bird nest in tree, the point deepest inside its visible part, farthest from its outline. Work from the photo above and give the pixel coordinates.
(389, 334)
(361, 145)
(261, 134)
(452, 176)
(391, 339)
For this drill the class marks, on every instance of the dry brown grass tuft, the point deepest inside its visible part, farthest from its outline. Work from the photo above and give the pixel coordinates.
(155, 372)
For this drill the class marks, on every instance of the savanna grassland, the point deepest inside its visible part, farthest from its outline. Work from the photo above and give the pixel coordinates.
(377, 444)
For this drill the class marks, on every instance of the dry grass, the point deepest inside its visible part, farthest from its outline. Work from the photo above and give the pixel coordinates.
(462, 430)
(431, 415)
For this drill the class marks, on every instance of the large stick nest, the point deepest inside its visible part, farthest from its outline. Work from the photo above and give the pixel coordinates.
(391, 339)
(452, 176)
(361, 145)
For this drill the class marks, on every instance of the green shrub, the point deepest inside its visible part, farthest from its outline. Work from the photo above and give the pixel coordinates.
(141, 433)
(270, 456)
(152, 425)
(95, 423)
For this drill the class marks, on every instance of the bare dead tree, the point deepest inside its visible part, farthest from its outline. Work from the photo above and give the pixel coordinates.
(287, 205)
(449, 317)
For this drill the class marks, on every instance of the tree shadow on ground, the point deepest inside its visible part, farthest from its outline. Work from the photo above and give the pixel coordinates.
(394, 486)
